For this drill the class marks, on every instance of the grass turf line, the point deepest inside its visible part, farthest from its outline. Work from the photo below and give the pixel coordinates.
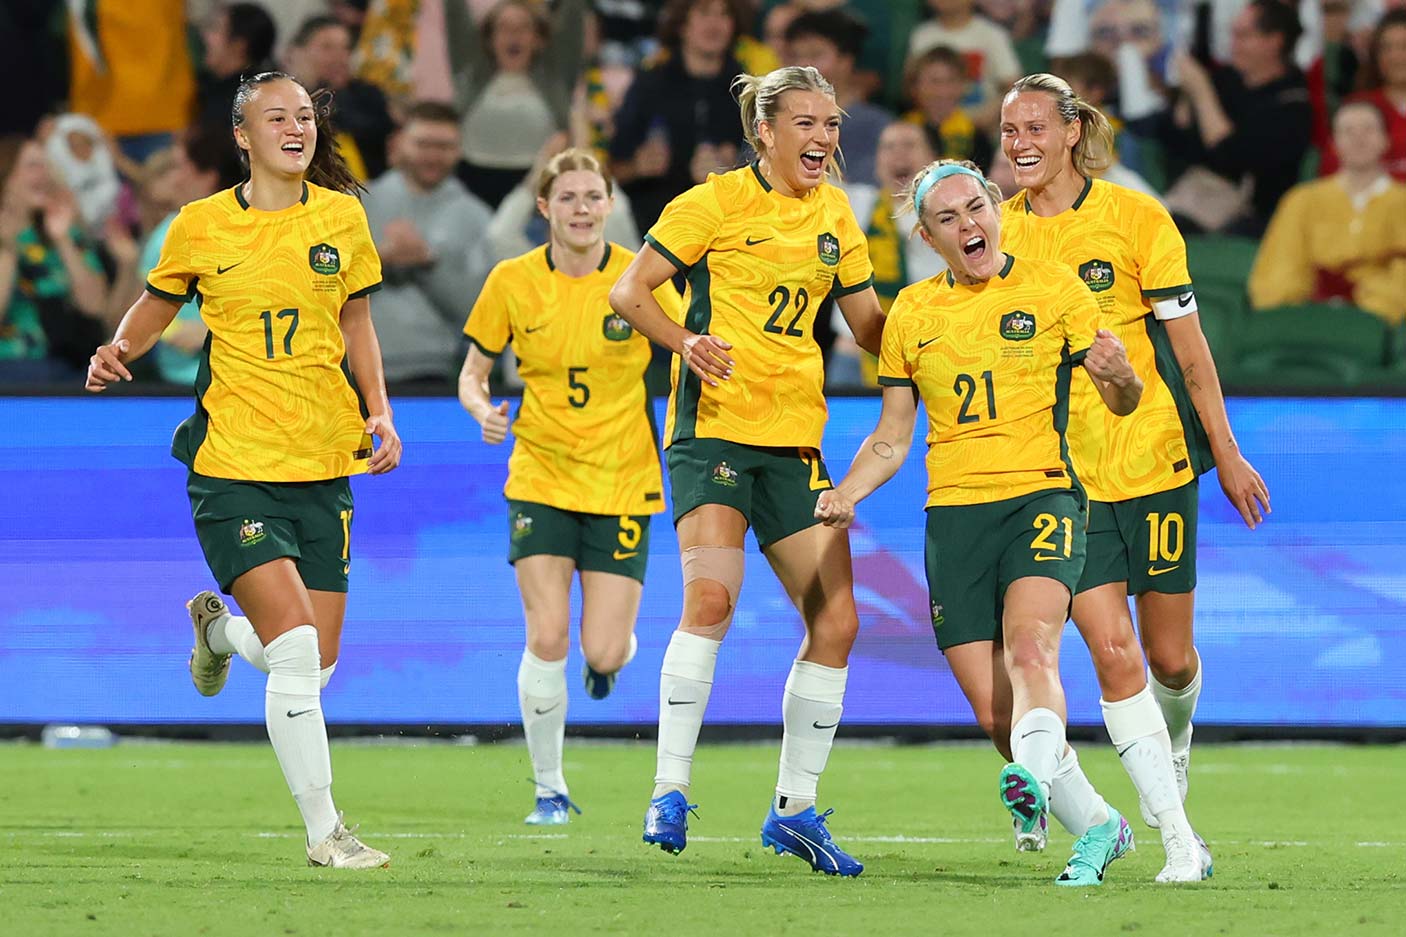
(203, 839)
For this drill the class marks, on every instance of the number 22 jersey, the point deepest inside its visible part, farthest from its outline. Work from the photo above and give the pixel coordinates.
(274, 399)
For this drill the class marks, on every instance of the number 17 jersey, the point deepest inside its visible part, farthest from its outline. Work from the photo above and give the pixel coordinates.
(758, 266)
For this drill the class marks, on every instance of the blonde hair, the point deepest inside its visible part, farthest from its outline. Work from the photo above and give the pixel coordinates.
(571, 160)
(910, 191)
(1093, 153)
(759, 96)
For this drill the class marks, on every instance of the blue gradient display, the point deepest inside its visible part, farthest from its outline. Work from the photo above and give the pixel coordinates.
(1302, 622)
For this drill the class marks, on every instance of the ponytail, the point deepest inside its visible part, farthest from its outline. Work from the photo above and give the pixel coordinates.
(759, 97)
(327, 168)
(1093, 151)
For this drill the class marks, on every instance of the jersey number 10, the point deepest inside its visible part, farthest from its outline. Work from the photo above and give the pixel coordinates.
(268, 318)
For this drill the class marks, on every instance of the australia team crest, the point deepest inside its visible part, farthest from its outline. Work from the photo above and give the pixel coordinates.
(324, 259)
(828, 247)
(1097, 275)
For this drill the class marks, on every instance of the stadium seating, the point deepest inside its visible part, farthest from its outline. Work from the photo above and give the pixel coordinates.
(1313, 346)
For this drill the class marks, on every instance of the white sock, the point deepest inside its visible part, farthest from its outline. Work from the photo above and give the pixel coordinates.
(1140, 737)
(293, 713)
(810, 711)
(325, 677)
(685, 681)
(1178, 706)
(1073, 800)
(1037, 744)
(541, 695)
(232, 634)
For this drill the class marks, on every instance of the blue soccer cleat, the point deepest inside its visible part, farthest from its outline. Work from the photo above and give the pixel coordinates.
(1095, 851)
(806, 836)
(666, 822)
(552, 811)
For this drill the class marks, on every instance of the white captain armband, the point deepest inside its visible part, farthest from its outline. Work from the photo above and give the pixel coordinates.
(1174, 307)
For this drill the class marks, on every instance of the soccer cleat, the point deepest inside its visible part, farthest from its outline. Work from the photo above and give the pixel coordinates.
(552, 811)
(666, 822)
(1188, 859)
(342, 850)
(1181, 767)
(1023, 796)
(599, 685)
(805, 835)
(1208, 863)
(1096, 850)
(208, 670)
(1034, 841)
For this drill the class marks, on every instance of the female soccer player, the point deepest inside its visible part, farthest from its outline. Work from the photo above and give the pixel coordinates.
(760, 248)
(584, 476)
(1141, 472)
(989, 346)
(288, 396)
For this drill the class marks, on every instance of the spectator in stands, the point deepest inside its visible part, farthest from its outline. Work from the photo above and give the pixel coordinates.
(1243, 130)
(431, 234)
(52, 282)
(514, 76)
(320, 57)
(386, 49)
(80, 153)
(774, 25)
(1094, 79)
(1343, 238)
(991, 64)
(31, 58)
(1384, 86)
(1136, 35)
(937, 83)
(239, 40)
(130, 70)
(679, 120)
(831, 41)
(899, 258)
(1022, 21)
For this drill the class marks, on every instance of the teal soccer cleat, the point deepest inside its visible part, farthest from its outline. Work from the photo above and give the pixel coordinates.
(1096, 850)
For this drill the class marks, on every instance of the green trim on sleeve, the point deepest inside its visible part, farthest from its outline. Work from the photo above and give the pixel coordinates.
(840, 290)
(896, 382)
(173, 297)
(365, 291)
(653, 242)
(1166, 291)
(482, 347)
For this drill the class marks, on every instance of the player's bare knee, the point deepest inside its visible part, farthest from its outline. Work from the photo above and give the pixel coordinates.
(712, 579)
(1031, 651)
(605, 656)
(1118, 663)
(548, 646)
(1173, 667)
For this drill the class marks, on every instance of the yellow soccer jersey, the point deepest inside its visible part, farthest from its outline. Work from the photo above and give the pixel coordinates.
(992, 364)
(758, 266)
(1131, 257)
(274, 401)
(584, 436)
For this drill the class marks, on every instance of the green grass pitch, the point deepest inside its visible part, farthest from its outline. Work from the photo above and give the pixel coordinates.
(189, 839)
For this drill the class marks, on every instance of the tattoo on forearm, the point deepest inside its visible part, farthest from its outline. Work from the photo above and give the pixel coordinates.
(1187, 375)
(882, 449)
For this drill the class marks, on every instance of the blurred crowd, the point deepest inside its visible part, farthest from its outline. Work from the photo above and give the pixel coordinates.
(1265, 119)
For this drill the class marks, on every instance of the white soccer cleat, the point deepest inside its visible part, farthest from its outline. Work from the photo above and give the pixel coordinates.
(208, 670)
(342, 850)
(1188, 860)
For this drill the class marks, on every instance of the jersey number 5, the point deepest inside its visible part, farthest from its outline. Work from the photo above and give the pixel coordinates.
(268, 318)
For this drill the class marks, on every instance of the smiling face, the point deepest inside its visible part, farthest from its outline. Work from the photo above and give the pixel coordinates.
(1036, 139)
(961, 223)
(802, 140)
(279, 128)
(576, 209)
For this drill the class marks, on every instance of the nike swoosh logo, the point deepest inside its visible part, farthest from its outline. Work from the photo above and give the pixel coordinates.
(817, 725)
(301, 712)
(925, 343)
(753, 242)
(681, 702)
(1184, 300)
(1045, 559)
(534, 328)
(543, 712)
(227, 269)
(1158, 572)
(1125, 749)
(625, 556)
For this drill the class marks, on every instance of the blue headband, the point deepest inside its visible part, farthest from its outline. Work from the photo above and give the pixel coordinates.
(936, 176)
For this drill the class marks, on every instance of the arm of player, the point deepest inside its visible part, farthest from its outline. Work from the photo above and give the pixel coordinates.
(1242, 485)
(473, 394)
(136, 333)
(364, 359)
(633, 298)
(877, 460)
(865, 317)
(1112, 373)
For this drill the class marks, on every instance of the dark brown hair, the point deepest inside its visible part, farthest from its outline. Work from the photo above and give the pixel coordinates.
(434, 112)
(328, 168)
(1371, 77)
(675, 14)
